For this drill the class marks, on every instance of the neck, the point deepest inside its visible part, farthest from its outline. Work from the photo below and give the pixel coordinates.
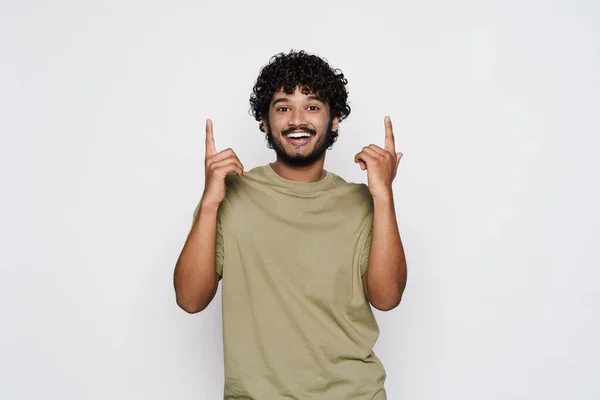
(308, 173)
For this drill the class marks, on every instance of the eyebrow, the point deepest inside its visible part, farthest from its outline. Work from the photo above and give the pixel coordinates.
(284, 99)
(280, 100)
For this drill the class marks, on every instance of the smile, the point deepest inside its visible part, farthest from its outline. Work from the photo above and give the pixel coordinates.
(298, 134)
(298, 138)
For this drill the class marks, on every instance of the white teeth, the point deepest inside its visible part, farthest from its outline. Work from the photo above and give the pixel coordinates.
(299, 135)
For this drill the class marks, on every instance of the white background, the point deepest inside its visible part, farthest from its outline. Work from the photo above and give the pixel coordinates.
(495, 105)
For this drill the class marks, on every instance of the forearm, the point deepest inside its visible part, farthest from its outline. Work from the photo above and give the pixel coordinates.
(386, 275)
(195, 279)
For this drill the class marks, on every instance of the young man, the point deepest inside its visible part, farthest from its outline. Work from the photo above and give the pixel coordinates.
(301, 252)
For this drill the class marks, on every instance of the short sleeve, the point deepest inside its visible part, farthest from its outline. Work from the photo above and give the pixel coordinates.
(365, 253)
(220, 248)
(366, 228)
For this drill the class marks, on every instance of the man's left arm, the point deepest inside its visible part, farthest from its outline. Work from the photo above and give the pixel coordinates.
(385, 279)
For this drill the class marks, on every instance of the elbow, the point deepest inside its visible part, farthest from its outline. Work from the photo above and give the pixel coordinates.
(190, 306)
(194, 298)
(386, 304)
(385, 297)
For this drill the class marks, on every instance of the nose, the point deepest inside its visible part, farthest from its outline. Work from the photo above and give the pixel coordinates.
(297, 117)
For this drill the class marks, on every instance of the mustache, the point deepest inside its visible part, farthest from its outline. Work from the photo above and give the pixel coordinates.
(287, 131)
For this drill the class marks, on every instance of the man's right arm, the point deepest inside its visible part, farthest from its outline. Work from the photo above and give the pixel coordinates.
(195, 278)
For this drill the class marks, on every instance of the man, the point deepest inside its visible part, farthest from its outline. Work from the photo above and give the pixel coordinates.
(301, 252)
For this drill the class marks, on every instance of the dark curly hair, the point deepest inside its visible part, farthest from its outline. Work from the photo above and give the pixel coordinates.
(312, 74)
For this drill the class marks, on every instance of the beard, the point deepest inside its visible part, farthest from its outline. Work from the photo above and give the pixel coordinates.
(302, 160)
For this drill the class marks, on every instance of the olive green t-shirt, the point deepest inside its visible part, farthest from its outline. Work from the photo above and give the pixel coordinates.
(296, 321)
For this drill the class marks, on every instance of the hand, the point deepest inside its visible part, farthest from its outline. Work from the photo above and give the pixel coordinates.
(381, 164)
(216, 167)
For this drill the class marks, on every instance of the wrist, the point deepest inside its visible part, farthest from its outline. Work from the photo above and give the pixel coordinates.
(385, 196)
(208, 206)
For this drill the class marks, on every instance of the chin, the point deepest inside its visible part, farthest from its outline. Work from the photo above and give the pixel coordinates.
(299, 152)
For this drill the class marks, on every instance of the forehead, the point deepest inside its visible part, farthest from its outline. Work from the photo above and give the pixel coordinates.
(297, 95)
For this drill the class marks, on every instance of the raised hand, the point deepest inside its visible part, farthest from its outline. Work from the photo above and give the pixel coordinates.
(216, 167)
(381, 164)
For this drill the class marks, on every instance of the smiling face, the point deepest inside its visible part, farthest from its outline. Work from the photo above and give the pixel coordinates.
(299, 127)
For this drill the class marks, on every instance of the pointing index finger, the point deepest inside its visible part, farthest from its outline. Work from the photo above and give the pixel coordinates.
(389, 136)
(211, 149)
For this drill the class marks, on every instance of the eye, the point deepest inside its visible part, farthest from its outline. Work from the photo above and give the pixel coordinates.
(283, 109)
(313, 108)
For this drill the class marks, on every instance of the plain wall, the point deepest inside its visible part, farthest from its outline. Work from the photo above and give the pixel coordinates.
(495, 106)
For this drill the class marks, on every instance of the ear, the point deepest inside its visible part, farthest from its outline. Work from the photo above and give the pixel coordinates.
(335, 123)
(265, 125)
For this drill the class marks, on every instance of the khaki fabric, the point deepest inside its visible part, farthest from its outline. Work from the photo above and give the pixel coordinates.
(296, 321)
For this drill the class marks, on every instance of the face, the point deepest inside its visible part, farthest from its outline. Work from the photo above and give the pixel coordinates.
(300, 126)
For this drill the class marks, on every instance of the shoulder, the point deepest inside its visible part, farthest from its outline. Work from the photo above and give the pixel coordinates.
(357, 194)
(364, 197)
(253, 177)
(360, 190)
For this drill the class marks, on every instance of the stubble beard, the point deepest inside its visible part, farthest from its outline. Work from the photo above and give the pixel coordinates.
(301, 160)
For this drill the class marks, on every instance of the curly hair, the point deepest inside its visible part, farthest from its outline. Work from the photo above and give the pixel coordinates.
(312, 74)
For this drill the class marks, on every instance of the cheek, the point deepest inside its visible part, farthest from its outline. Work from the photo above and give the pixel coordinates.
(321, 124)
(276, 125)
